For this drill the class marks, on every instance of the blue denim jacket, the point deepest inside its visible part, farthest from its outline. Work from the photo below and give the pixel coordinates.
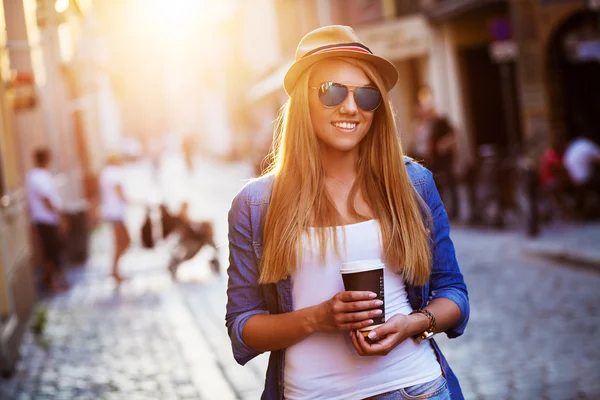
(247, 298)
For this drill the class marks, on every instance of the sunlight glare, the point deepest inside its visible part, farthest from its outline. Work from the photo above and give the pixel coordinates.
(176, 17)
(85, 5)
(61, 6)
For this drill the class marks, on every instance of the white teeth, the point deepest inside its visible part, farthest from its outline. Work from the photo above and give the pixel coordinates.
(345, 125)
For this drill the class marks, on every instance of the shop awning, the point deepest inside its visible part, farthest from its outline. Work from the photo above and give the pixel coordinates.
(442, 10)
(397, 39)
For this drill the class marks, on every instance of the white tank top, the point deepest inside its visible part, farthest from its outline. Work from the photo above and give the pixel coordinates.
(326, 365)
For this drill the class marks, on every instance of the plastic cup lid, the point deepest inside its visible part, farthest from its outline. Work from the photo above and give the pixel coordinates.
(361, 266)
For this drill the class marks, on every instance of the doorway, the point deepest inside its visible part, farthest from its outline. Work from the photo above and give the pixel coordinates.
(485, 102)
(574, 77)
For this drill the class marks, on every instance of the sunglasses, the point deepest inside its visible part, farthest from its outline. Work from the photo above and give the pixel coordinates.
(332, 94)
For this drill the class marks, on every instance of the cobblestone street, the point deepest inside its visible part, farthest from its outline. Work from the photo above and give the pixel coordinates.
(533, 334)
(534, 327)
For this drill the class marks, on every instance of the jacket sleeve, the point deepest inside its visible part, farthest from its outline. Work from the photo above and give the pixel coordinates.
(446, 279)
(244, 295)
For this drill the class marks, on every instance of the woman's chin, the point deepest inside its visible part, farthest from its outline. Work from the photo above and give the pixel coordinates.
(341, 146)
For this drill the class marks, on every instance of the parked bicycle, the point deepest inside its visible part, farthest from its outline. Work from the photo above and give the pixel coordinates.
(506, 193)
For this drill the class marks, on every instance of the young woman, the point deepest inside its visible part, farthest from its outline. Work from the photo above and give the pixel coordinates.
(340, 190)
(113, 205)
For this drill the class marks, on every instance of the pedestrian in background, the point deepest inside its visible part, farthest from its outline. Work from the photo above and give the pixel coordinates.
(422, 127)
(341, 190)
(435, 146)
(554, 178)
(113, 206)
(44, 205)
(188, 147)
(441, 159)
(582, 161)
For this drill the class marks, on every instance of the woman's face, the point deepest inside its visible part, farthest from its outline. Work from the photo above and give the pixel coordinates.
(340, 128)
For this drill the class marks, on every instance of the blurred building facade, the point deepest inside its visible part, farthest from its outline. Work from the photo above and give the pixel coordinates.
(568, 40)
(16, 278)
(50, 97)
(528, 70)
(64, 97)
(503, 71)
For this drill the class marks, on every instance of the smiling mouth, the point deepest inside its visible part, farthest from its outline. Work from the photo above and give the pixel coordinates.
(345, 125)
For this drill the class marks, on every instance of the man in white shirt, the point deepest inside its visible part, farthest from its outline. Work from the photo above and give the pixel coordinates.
(580, 157)
(44, 205)
(112, 202)
(582, 161)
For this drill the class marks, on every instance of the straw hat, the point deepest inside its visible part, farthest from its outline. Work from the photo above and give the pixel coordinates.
(335, 41)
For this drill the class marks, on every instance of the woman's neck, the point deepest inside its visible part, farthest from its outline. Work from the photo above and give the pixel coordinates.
(340, 166)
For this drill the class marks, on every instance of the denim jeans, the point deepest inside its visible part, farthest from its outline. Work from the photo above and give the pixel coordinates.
(436, 389)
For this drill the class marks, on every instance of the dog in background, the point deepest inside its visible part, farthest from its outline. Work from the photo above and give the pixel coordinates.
(192, 236)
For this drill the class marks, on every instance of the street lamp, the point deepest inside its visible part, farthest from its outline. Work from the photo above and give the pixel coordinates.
(504, 51)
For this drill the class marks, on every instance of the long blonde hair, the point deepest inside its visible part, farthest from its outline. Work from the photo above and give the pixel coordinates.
(300, 200)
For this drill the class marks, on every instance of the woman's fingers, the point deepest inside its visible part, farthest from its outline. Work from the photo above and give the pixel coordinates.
(358, 341)
(385, 344)
(381, 347)
(357, 346)
(354, 306)
(357, 325)
(355, 296)
(349, 310)
(362, 344)
(360, 316)
(363, 305)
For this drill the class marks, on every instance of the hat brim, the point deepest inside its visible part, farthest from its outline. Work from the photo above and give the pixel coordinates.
(386, 69)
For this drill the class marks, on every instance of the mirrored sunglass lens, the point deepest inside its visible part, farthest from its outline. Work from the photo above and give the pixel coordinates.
(367, 98)
(331, 94)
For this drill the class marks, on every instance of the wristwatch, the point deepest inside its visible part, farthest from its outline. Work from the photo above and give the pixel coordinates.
(430, 331)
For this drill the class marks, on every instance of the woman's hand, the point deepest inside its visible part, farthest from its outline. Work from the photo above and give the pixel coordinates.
(346, 311)
(382, 339)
